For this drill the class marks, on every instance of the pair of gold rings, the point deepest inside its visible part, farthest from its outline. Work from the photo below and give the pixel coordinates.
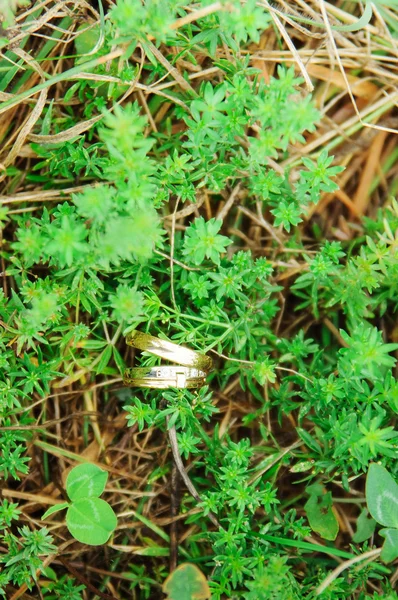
(190, 372)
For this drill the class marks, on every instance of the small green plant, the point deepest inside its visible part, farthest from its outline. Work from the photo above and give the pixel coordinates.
(61, 588)
(202, 240)
(22, 556)
(382, 501)
(89, 518)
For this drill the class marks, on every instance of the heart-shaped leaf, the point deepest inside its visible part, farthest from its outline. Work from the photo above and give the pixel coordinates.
(390, 546)
(382, 496)
(186, 582)
(91, 521)
(86, 481)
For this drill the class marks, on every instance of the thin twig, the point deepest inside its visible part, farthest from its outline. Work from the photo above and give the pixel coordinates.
(86, 582)
(27, 127)
(260, 221)
(291, 46)
(181, 469)
(174, 508)
(334, 45)
(229, 203)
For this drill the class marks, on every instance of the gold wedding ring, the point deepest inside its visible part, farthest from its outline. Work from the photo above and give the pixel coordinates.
(190, 373)
(164, 377)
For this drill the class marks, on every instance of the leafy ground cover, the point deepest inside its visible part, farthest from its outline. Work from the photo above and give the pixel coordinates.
(224, 175)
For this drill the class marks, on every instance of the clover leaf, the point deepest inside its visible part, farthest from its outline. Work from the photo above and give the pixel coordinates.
(382, 501)
(89, 518)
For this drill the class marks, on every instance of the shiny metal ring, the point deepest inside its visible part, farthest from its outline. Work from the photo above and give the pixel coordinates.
(169, 351)
(190, 373)
(164, 377)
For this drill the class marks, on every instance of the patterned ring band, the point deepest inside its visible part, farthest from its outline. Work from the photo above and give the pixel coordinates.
(164, 377)
(169, 351)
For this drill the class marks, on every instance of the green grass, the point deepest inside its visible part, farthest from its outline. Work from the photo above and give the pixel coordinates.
(197, 216)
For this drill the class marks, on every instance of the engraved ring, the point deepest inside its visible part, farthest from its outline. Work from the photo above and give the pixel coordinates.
(190, 373)
(164, 377)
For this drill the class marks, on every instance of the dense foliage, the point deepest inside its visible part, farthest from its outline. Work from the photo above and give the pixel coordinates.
(197, 226)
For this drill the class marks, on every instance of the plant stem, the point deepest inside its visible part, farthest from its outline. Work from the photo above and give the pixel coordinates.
(345, 565)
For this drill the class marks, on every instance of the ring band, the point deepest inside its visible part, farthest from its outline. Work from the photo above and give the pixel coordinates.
(190, 372)
(169, 351)
(164, 377)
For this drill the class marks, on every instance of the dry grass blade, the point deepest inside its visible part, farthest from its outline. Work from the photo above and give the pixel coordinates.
(26, 129)
(291, 47)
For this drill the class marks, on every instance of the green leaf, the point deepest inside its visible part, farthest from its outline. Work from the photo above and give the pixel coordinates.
(153, 551)
(382, 496)
(54, 509)
(365, 528)
(118, 360)
(315, 489)
(186, 582)
(105, 358)
(91, 521)
(86, 41)
(302, 466)
(321, 516)
(309, 440)
(50, 573)
(86, 481)
(390, 546)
